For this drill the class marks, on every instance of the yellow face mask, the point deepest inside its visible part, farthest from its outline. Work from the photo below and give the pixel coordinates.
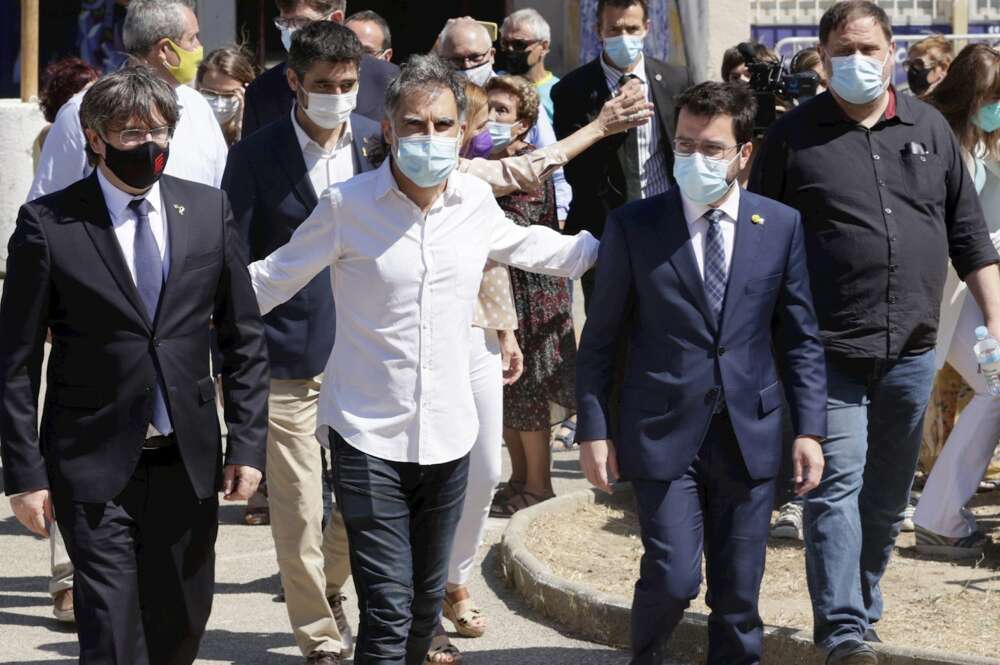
(186, 70)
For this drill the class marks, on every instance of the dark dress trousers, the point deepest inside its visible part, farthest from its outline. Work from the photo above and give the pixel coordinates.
(704, 481)
(269, 98)
(139, 525)
(271, 194)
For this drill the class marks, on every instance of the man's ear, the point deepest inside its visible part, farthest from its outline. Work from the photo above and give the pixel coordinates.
(292, 78)
(745, 153)
(387, 55)
(164, 53)
(337, 16)
(94, 140)
(387, 132)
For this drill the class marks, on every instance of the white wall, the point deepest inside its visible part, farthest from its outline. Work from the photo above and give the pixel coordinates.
(19, 125)
(217, 23)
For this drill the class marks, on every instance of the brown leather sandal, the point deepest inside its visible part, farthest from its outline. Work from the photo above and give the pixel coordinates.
(442, 650)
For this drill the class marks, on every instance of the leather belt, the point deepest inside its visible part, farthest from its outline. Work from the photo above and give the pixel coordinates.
(159, 442)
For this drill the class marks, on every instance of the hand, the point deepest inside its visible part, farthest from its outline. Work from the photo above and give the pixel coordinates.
(239, 483)
(627, 110)
(511, 358)
(807, 464)
(598, 461)
(34, 511)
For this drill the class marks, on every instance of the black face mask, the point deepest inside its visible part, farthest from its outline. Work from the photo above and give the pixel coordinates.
(138, 167)
(516, 62)
(917, 78)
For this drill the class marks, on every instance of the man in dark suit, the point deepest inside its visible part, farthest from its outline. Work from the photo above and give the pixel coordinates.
(626, 167)
(268, 97)
(128, 269)
(274, 179)
(693, 278)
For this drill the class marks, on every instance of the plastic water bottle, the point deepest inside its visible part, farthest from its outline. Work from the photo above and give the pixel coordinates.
(988, 354)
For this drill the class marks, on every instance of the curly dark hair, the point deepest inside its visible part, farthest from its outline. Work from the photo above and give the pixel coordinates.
(61, 80)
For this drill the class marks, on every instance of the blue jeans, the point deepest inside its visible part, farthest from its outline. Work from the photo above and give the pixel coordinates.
(875, 415)
(400, 520)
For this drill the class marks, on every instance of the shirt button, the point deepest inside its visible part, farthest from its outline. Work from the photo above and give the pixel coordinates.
(876, 157)
(892, 300)
(888, 211)
(893, 268)
(881, 183)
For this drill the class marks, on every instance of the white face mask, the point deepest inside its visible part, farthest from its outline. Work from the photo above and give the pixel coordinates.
(286, 38)
(330, 111)
(479, 75)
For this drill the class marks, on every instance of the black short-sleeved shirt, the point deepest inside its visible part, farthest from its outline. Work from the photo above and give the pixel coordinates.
(883, 209)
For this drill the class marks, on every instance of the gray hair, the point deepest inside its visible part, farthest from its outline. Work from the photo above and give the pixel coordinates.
(462, 22)
(149, 21)
(531, 19)
(425, 73)
(133, 92)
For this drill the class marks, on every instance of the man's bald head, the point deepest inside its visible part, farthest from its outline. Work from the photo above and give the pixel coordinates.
(464, 37)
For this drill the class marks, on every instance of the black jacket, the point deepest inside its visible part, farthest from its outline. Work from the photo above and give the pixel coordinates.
(271, 194)
(597, 176)
(66, 273)
(269, 98)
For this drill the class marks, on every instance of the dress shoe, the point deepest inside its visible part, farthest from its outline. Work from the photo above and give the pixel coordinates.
(323, 658)
(62, 606)
(852, 652)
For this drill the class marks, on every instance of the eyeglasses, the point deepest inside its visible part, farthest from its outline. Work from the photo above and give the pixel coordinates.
(518, 44)
(687, 147)
(469, 61)
(133, 137)
(375, 53)
(295, 23)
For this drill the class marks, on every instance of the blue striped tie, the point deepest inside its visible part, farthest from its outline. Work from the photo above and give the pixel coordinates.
(715, 263)
(149, 283)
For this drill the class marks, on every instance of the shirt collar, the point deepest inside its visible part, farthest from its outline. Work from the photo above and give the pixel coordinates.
(117, 201)
(900, 107)
(694, 211)
(346, 137)
(611, 71)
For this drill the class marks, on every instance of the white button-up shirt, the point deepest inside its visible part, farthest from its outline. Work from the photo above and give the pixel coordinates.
(123, 220)
(653, 176)
(197, 151)
(397, 382)
(694, 214)
(326, 168)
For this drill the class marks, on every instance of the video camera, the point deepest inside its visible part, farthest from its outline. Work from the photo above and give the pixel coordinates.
(769, 82)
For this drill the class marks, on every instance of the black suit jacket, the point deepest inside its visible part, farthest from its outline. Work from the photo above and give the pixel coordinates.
(271, 194)
(597, 176)
(66, 273)
(269, 98)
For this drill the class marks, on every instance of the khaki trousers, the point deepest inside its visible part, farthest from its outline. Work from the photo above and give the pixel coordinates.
(314, 565)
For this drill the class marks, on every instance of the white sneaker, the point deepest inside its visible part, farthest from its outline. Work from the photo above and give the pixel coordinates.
(908, 512)
(789, 522)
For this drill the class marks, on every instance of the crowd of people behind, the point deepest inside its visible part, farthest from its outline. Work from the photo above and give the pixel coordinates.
(435, 217)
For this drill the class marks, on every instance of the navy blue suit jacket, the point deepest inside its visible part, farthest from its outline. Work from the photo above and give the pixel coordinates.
(269, 98)
(650, 290)
(271, 194)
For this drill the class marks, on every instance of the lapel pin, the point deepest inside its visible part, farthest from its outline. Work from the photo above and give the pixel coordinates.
(179, 209)
(659, 77)
(757, 219)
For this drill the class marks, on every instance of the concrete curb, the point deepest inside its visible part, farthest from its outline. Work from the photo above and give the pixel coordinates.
(604, 618)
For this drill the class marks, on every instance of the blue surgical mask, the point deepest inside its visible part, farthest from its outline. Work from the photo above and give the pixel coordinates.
(988, 118)
(624, 50)
(701, 179)
(858, 79)
(500, 134)
(427, 160)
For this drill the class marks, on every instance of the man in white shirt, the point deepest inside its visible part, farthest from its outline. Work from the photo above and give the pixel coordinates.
(406, 246)
(164, 35)
(274, 179)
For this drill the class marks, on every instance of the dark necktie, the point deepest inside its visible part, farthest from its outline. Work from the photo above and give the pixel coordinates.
(630, 161)
(715, 263)
(149, 283)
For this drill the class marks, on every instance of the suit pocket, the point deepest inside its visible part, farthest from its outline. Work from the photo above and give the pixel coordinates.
(764, 284)
(206, 390)
(200, 261)
(770, 398)
(77, 397)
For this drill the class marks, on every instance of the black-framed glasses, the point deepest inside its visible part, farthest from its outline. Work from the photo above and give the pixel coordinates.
(711, 150)
(469, 61)
(518, 44)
